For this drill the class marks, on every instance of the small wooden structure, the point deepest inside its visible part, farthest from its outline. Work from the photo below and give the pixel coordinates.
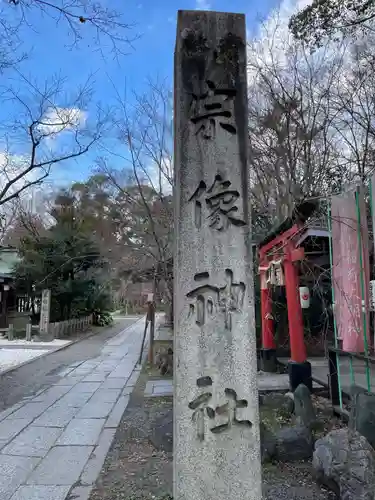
(8, 259)
(281, 257)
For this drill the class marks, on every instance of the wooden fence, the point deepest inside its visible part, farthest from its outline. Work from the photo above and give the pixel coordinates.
(66, 328)
(55, 330)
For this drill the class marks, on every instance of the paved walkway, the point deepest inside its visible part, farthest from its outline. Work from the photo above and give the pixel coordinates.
(54, 443)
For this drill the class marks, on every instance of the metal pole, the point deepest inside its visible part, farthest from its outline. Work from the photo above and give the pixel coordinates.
(152, 333)
(363, 293)
(338, 378)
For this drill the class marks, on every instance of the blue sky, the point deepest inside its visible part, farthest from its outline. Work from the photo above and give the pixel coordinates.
(152, 56)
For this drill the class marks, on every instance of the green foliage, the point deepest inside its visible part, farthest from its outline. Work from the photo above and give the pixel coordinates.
(66, 260)
(331, 19)
(102, 318)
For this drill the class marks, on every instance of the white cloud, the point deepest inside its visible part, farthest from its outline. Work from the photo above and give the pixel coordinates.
(273, 38)
(160, 177)
(203, 5)
(57, 120)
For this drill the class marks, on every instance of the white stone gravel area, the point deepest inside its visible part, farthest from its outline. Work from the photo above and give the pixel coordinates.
(10, 358)
(21, 342)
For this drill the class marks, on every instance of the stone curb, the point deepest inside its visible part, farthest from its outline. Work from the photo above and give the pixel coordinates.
(51, 351)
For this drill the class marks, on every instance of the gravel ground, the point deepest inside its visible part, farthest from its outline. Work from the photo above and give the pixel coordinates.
(139, 464)
(292, 482)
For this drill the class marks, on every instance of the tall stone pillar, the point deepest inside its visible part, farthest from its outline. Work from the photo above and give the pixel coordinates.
(216, 422)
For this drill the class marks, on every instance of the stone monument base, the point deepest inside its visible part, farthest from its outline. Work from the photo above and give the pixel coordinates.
(268, 360)
(299, 373)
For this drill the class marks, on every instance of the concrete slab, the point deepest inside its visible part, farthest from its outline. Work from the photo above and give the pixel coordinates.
(4, 414)
(10, 428)
(163, 391)
(87, 386)
(157, 388)
(165, 382)
(33, 442)
(41, 493)
(82, 432)
(105, 396)
(95, 377)
(113, 383)
(80, 493)
(57, 416)
(117, 412)
(13, 472)
(31, 410)
(52, 394)
(81, 372)
(75, 399)
(88, 366)
(93, 410)
(121, 372)
(70, 380)
(70, 460)
(96, 461)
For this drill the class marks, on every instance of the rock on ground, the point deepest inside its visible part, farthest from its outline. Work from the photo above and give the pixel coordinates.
(267, 443)
(344, 462)
(279, 402)
(293, 444)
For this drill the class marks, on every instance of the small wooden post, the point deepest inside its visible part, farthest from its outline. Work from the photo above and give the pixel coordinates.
(151, 317)
(10, 332)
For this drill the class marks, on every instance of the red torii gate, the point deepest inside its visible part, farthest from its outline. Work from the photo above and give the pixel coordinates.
(282, 247)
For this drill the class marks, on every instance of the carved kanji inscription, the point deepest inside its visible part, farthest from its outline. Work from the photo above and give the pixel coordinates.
(212, 108)
(221, 417)
(220, 200)
(208, 300)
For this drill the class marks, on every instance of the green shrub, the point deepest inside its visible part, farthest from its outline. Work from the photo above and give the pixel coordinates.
(102, 318)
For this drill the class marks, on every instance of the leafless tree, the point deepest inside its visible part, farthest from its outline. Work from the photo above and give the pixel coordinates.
(89, 19)
(354, 110)
(293, 146)
(48, 133)
(144, 185)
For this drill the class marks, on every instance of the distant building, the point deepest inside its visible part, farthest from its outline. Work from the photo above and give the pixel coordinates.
(8, 259)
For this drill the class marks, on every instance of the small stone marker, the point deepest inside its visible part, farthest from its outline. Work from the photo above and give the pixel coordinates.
(216, 438)
(362, 415)
(44, 313)
(10, 332)
(303, 407)
(28, 332)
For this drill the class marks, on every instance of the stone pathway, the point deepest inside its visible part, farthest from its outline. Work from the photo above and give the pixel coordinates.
(54, 443)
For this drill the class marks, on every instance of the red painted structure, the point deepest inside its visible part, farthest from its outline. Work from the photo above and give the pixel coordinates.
(283, 248)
